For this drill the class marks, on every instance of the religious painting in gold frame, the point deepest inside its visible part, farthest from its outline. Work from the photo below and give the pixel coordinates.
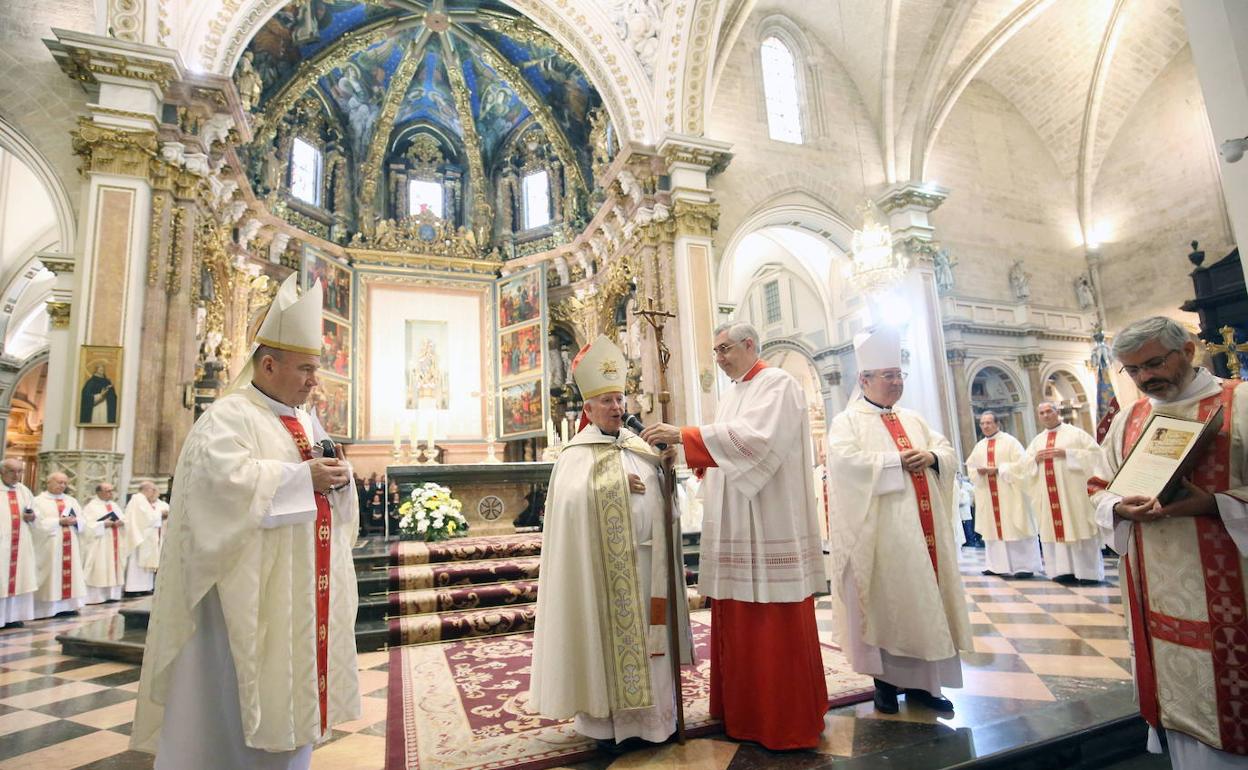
(99, 381)
(335, 347)
(335, 281)
(523, 407)
(520, 298)
(331, 398)
(520, 351)
(520, 365)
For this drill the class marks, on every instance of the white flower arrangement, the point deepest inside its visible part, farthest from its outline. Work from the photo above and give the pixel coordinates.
(430, 513)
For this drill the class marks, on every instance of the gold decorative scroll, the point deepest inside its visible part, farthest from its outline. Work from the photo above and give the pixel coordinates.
(482, 214)
(399, 83)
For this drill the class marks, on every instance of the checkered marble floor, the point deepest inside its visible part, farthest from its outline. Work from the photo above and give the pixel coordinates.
(1037, 643)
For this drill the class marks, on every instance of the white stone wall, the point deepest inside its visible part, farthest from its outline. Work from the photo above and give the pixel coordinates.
(35, 96)
(1157, 190)
(1007, 201)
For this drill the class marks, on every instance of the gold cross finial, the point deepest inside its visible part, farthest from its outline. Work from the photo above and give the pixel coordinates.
(1229, 348)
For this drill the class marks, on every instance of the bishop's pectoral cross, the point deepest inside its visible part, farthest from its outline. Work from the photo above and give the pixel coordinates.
(1230, 349)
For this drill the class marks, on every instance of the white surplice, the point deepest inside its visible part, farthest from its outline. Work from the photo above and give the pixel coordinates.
(56, 593)
(146, 522)
(242, 530)
(1186, 752)
(570, 657)
(897, 619)
(760, 527)
(105, 550)
(1079, 552)
(1016, 549)
(17, 585)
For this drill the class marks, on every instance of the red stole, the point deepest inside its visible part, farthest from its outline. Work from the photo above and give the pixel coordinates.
(15, 521)
(1227, 628)
(323, 525)
(67, 554)
(1055, 500)
(919, 479)
(993, 489)
(108, 508)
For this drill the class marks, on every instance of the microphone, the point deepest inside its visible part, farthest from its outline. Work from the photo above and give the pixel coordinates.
(327, 448)
(635, 425)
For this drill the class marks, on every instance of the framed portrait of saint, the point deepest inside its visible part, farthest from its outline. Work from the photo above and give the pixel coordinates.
(335, 347)
(520, 351)
(335, 281)
(520, 298)
(523, 408)
(99, 382)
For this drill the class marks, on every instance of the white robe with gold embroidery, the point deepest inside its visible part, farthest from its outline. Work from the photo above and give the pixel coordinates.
(106, 550)
(574, 653)
(1017, 549)
(232, 637)
(896, 618)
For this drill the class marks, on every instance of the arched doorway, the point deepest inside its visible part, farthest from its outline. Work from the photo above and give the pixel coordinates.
(995, 390)
(25, 427)
(1067, 393)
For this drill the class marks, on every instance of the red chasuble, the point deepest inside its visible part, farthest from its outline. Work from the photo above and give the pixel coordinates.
(767, 680)
(323, 525)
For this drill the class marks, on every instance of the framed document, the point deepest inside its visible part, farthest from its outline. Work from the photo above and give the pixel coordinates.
(1167, 450)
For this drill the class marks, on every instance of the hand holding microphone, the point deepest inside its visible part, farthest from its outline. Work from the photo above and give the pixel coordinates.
(329, 473)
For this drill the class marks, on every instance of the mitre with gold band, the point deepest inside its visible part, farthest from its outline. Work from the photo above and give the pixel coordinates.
(600, 367)
(292, 323)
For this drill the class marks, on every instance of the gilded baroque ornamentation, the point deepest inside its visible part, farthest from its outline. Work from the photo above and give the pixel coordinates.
(177, 248)
(638, 23)
(694, 218)
(58, 314)
(399, 84)
(424, 234)
(482, 212)
(698, 58)
(58, 263)
(110, 151)
(153, 239)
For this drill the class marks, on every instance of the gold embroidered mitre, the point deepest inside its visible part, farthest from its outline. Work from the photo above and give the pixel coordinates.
(293, 321)
(600, 368)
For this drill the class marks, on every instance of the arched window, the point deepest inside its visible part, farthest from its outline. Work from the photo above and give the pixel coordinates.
(305, 172)
(784, 117)
(536, 191)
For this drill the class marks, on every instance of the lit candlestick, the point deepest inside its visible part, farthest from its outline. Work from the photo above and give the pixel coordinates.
(563, 426)
(412, 435)
(433, 429)
(550, 433)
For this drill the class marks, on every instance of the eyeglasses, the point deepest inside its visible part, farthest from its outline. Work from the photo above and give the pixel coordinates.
(889, 376)
(1151, 365)
(723, 349)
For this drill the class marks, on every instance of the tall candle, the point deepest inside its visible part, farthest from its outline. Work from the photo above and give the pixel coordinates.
(550, 432)
(398, 436)
(433, 429)
(563, 426)
(411, 435)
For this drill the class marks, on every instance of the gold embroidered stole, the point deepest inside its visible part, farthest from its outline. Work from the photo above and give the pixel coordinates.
(627, 663)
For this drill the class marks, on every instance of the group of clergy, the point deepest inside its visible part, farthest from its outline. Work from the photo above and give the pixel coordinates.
(62, 555)
(600, 651)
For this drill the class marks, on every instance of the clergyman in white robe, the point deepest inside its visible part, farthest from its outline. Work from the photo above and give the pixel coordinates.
(19, 575)
(58, 525)
(1002, 516)
(107, 545)
(230, 665)
(147, 523)
(1069, 538)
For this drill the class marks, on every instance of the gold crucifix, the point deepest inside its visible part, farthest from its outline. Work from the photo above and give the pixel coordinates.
(1229, 348)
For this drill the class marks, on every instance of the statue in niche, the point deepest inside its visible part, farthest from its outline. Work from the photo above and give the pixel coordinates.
(467, 241)
(599, 142)
(558, 375)
(385, 236)
(426, 379)
(1020, 283)
(1084, 293)
(944, 272)
(272, 170)
(249, 83)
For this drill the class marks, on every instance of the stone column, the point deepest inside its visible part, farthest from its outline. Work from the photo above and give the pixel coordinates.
(1031, 363)
(691, 161)
(929, 389)
(962, 398)
(118, 147)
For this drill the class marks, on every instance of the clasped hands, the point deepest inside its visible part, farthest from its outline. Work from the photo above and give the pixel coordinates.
(915, 460)
(1198, 502)
(329, 474)
(986, 471)
(1050, 454)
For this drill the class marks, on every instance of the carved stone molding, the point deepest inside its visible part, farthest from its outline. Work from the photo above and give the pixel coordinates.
(87, 58)
(919, 250)
(926, 198)
(1031, 360)
(58, 263)
(85, 469)
(955, 356)
(112, 151)
(694, 218)
(713, 159)
(58, 314)
(833, 378)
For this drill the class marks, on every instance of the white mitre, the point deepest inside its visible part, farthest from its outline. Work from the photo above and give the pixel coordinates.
(879, 349)
(600, 368)
(292, 323)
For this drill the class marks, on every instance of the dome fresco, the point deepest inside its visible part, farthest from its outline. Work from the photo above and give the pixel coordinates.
(385, 73)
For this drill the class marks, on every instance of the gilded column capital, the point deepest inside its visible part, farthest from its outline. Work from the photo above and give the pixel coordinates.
(95, 59)
(58, 263)
(926, 198)
(696, 218)
(956, 357)
(108, 150)
(920, 249)
(58, 314)
(707, 155)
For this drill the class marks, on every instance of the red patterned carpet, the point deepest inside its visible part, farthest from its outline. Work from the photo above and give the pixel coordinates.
(463, 705)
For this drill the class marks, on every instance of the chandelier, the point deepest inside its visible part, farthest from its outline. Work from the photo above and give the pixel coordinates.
(876, 266)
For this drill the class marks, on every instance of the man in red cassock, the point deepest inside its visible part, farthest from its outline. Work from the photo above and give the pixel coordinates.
(761, 559)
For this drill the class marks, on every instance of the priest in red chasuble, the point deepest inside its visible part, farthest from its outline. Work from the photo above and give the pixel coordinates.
(1184, 564)
(250, 656)
(762, 559)
(900, 609)
(604, 546)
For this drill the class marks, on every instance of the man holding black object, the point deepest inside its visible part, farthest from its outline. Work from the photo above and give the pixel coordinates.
(19, 576)
(107, 542)
(1184, 568)
(58, 519)
(250, 655)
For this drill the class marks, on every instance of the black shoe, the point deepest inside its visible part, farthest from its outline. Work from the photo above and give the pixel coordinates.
(885, 697)
(988, 572)
(15, 624)
(933, 702)
(1067, 579)
(608, 746)
(1023, 575)
(1086, 582)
